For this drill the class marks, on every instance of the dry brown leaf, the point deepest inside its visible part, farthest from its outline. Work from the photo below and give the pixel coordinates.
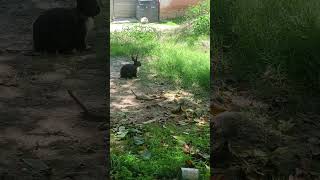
(186, 149)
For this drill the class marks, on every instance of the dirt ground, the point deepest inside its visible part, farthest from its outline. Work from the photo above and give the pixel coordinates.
(124, 102)
(154, 101)
(43, 134)
(255, 138)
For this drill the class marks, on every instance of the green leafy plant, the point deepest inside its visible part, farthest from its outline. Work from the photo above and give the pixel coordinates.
(200, 17)
(201, 25)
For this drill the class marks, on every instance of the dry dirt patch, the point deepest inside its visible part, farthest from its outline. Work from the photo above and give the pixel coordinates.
(43, 134)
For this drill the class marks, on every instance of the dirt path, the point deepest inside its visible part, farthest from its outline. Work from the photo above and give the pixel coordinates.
(43, 134)
(122, 99)
(160, 27)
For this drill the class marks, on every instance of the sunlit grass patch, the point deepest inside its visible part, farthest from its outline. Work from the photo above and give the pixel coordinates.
(180, 60)
(184, 65)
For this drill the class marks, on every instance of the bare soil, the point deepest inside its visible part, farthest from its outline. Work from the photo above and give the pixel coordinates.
(256, 138)
(43, 134)
(153, 101)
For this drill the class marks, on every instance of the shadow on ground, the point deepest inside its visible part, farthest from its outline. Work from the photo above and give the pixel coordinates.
(43, 134)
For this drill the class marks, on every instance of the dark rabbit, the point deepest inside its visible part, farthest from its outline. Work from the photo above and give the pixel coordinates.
(64, 29)
(130, 70)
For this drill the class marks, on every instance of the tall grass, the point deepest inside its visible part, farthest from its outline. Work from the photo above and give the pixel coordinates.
(186, 66)
(277, 36)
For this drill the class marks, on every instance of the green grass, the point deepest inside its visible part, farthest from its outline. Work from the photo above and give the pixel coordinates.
(167, 156)
(281, 36)
(133, 39)
(179, 57)
(182, 61)
(182, 64)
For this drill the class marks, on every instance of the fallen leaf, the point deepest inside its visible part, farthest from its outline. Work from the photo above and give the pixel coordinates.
(142, 97)
(182, 123)
(146, 155)
(122, 132)
(138, 140)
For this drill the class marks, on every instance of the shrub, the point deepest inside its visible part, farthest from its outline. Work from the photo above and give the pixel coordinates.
(200, 14)
(201, 25)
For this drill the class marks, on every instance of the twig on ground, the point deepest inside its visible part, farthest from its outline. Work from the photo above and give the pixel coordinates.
(87, 114)
(142, 97)
(78, 102)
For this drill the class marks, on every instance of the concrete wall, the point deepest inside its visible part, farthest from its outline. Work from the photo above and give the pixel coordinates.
(174, 8)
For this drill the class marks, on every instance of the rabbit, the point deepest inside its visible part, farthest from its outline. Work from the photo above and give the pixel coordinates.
(130, 70)
(64, 29)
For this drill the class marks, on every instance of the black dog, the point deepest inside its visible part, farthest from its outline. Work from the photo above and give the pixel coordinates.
(63, 29)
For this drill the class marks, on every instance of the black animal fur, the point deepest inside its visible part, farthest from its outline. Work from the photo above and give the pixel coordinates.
(64, 29)
(130, 70)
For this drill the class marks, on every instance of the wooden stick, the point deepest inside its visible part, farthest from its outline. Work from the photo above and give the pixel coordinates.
(78, 102)
(134, 93)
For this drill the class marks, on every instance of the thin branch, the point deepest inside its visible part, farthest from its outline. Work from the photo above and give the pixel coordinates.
(78, 102)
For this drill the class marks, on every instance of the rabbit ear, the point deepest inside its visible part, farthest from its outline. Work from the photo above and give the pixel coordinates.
(134, 58)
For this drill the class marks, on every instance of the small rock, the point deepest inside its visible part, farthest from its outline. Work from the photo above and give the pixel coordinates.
(144, 20)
